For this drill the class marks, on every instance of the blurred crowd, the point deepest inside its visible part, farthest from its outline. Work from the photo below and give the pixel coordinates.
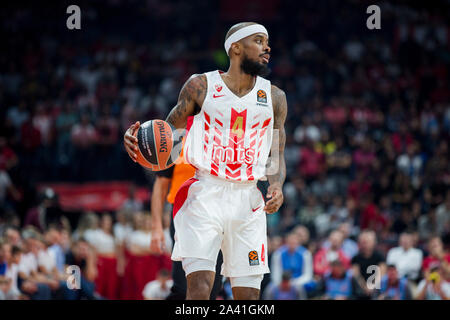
(366, 153)
(113, 259)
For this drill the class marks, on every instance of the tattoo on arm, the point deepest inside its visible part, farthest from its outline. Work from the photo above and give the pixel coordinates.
(191, 95)
(280, 113)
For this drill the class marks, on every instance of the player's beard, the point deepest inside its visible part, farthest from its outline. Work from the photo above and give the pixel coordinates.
(254, 68)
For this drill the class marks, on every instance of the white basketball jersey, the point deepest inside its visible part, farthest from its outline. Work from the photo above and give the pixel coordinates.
(231, 137)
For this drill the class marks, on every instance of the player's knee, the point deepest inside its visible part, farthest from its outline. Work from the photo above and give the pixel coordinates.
(245, 293)
(199, 285)
(247, 287)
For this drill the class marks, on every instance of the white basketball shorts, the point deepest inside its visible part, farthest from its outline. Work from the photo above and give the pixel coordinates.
(212, 214)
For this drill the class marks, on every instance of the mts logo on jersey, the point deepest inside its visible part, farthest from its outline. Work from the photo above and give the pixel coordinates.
(233, 151)
(233, 156)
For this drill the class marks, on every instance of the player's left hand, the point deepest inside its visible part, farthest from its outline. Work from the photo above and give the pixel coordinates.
(275, 194)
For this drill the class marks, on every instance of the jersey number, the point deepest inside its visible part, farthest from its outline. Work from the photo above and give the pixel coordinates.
(238, 127)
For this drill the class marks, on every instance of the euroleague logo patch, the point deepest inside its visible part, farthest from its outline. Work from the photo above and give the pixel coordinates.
(261, 96)
(253, 258)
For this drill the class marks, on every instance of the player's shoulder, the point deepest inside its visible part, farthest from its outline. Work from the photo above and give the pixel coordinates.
(197, 79)
(198, 76)
(195, 88)
(277, 92)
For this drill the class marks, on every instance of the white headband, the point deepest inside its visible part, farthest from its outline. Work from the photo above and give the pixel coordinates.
(244, 32)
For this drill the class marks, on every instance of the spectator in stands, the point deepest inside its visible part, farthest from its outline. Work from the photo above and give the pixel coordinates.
(31, 281)
(11, 255)
(435, 285)
(285, 290)
(46, 262)
(407, 260)
(122, 227)
(325, 256)
(392, 287)
(436, 255)
(142, 266)
(103, 242)
(158, 289)
(53, 238)
(367, 258)
(12, 236)
(349, 246)
(88, 223)
(303, 235)
(367, 255)
(338, 283)
(138, 241)
(295, 259)
(13, 271)
(83, 256)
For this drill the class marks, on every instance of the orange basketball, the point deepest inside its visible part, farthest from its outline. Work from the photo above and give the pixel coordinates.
(157, 149)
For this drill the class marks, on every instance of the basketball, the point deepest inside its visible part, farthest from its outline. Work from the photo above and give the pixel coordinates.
(157, 149)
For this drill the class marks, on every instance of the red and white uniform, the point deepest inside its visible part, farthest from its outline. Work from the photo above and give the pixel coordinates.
(228, 142)
(231, 137)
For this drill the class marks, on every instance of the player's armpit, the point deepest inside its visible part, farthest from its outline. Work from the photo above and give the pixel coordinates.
(191, 95)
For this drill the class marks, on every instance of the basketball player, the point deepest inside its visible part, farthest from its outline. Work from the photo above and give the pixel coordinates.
(166, 185)
(230, 119)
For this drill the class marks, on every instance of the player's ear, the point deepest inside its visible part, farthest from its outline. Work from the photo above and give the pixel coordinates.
(236, 48)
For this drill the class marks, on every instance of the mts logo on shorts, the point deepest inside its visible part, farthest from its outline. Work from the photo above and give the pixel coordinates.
(253, 258)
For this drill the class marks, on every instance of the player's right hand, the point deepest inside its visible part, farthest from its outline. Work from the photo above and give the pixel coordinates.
(130, 140)
(157, 245)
